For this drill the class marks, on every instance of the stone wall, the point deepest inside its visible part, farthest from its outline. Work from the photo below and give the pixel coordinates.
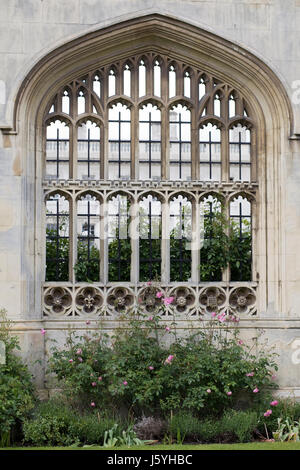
(269, 29)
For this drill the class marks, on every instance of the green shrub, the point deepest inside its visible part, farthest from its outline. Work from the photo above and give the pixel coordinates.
(91, 428)
(206, 374)
(16, 388)
(241, 424)
(232, 426)
(285, 409)
(50, 425)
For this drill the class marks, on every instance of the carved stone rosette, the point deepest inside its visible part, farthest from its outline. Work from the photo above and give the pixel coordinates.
(184, 299)
(57, 301)
(120, 299)
(242, 300)
(212, 299)
(89, 300)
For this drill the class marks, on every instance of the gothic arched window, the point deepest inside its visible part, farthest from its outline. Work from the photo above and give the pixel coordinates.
(149, 175)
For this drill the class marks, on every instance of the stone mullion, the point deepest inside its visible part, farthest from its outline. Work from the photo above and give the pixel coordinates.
(195, 243)
(179, 80)
(102, 150)
(165, 242)
(72, 237)
(225, 170)
(254, 240)
(134, 150)
(104, 241)
(134, 241)
(73, 151)
(164, 144)
(226, 208)
(195, 128)
(253, 153)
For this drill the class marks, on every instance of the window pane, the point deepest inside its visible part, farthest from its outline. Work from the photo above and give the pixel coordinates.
(240, 240)
(88, 151)
(149, 142)
(57, 150)
(119, 246)
(180, 239)
(119, 134)
(180, 143)
(87, 267)
(57, 238)
(150, 239)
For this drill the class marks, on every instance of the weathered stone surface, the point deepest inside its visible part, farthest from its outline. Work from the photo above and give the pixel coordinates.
(269, 29)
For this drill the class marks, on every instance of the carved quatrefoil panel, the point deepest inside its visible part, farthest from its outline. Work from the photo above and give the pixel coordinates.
(120, 299)
(148, 300)
(89, 300)
(57, 301)
(212, 299)
(242, 300)
(184, 299)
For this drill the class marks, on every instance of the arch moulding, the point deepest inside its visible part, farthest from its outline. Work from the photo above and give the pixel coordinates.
(164, 35)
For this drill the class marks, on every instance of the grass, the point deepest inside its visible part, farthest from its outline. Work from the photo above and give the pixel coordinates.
(248, 446)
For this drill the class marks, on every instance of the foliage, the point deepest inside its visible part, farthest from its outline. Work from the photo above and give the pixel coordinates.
(240, 251)
(287, 430)
(214, 253)
(234, 425)
(284, 409)
(57, 256)
(119, 253)
(16, 388)
(116, 437)
(87, 267)
(90, 428)
(50, 425)
(137, 369)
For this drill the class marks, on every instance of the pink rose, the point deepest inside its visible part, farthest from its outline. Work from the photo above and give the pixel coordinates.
(70, 360)
(213, 314)
(149, 283)
(255, 390)
(159, 294)
(169, 359)
(43, 331)
(250, 374)
(125, 383)
(80, 359)
(168, 328)
(100, 378)
(150, 367)
(79, 351)
(240, 341)
(88, 322)
(274, 403)
(229, 393)
(150, 318)
(94, 384)
(268, 413)
(93, 404)
(208, 390)
(168, 300)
